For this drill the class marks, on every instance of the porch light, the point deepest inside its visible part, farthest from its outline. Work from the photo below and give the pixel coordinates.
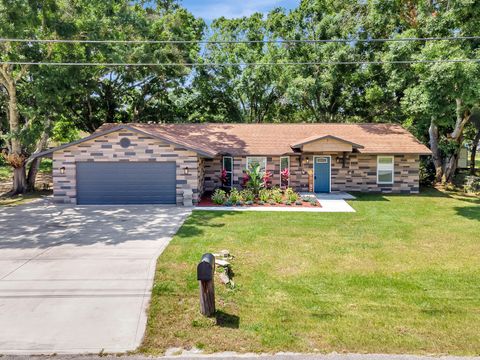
(62, 170)
(185, 170)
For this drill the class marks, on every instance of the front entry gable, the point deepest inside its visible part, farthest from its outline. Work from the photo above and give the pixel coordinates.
(328, 143)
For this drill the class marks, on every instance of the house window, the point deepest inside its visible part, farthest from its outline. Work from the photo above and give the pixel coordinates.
(284, 165)
(262, 161)
(228, 167)
(385, 170)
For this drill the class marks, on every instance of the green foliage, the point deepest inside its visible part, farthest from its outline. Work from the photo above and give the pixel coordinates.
(65, 131)
(276, 195)
(291, 195)
(255, 178)
(427, 172)
(247, 195)
(234, 197)
(219, 196)
(265, 195)
(472, 184)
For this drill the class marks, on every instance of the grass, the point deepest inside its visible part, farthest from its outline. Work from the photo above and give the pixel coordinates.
(23, 199)
(6, 170)
(401, 275)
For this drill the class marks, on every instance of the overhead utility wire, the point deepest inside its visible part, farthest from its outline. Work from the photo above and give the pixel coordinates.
(277, 41)
(114, 64)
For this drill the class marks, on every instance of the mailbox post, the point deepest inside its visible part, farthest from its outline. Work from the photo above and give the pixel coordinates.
(205, 271)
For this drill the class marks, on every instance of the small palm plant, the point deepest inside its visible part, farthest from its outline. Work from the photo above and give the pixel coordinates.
(255, 178)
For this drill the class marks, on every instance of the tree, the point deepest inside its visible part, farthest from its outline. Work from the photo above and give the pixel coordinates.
(38, 96)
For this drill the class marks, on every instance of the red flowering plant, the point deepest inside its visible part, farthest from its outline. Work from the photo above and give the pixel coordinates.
(223, 177)
(267, 179)
(245, 179)
(285, 176)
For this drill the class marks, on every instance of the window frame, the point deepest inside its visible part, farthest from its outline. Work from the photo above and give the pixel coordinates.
(228, 172)
(288, 167)
(264, 158)
(385, 167)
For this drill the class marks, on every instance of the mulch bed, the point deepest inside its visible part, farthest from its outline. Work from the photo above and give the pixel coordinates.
(206, 201)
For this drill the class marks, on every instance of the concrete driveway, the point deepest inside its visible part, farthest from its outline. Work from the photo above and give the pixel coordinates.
(78, 279)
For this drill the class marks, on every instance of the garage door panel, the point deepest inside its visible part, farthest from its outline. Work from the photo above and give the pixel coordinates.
(126, 183)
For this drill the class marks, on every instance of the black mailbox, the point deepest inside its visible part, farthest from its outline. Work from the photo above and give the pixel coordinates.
(206, 267)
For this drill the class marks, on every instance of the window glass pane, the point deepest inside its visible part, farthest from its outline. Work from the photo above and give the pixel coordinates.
(385, 160)
(227, 163)
(385, 176)
(257, 160)
(284, 163)
(321, 160)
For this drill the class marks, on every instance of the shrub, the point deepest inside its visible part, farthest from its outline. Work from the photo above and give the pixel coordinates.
(223, 177)
(264, 195)
(426, 172)
(472, 184)
(291, 195)
(228, 203)
(219, 196)
(247, 195)
(249, 202)
(313, 201)
(234, 196)
(277, 196)
(261, 202)
(267, 179)
(306, 198)
(272, 202)
(298, 202)
(288, 202)
(239, 203)
(255, 178)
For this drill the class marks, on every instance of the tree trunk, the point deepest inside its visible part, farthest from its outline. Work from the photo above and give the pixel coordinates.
(474, 153)
(19, 180)
(32, 174)
(35, 163)
(15, 156)
(436, 155)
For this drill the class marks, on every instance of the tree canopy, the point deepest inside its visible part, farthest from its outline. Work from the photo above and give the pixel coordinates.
(245, 73)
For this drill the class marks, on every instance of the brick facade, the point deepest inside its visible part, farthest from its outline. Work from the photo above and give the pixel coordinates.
(359, 173)
(142, 148)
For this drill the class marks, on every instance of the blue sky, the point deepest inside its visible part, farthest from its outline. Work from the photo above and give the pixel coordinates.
(211, 9)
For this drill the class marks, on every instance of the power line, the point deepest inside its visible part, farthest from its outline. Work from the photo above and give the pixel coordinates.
(274, 41)
(114, 64)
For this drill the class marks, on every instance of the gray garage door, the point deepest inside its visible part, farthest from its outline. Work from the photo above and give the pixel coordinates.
(126, 183)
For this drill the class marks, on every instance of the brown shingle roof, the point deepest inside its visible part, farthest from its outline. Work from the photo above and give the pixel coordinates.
(276, 139)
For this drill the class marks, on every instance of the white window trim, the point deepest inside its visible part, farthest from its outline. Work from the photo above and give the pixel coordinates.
(288, 167)
(384, 168)
(231, 172)
(264, 158)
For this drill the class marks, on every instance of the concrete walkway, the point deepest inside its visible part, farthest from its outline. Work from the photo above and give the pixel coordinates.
(78, 280)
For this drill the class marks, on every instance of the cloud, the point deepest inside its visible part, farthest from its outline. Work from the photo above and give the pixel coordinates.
(212, 9)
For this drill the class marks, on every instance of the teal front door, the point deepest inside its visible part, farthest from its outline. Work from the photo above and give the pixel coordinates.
(321, 174)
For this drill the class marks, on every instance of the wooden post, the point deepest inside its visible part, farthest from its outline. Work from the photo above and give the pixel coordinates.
(207, 298)
(205, 271)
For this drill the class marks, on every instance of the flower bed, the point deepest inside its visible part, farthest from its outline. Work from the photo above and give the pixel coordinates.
(266, 198)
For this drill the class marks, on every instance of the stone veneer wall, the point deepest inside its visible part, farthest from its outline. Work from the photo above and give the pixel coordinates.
(359, 174)
(107, 148)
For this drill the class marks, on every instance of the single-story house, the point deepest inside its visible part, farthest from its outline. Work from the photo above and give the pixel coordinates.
(176, 163)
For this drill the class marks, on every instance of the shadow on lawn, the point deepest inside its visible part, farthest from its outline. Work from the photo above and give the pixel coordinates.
(469, 212)
(198, 219)
(227, 320)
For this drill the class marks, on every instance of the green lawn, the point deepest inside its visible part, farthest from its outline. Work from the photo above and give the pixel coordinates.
(6, 170)
(23, 199)
(401, 275)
